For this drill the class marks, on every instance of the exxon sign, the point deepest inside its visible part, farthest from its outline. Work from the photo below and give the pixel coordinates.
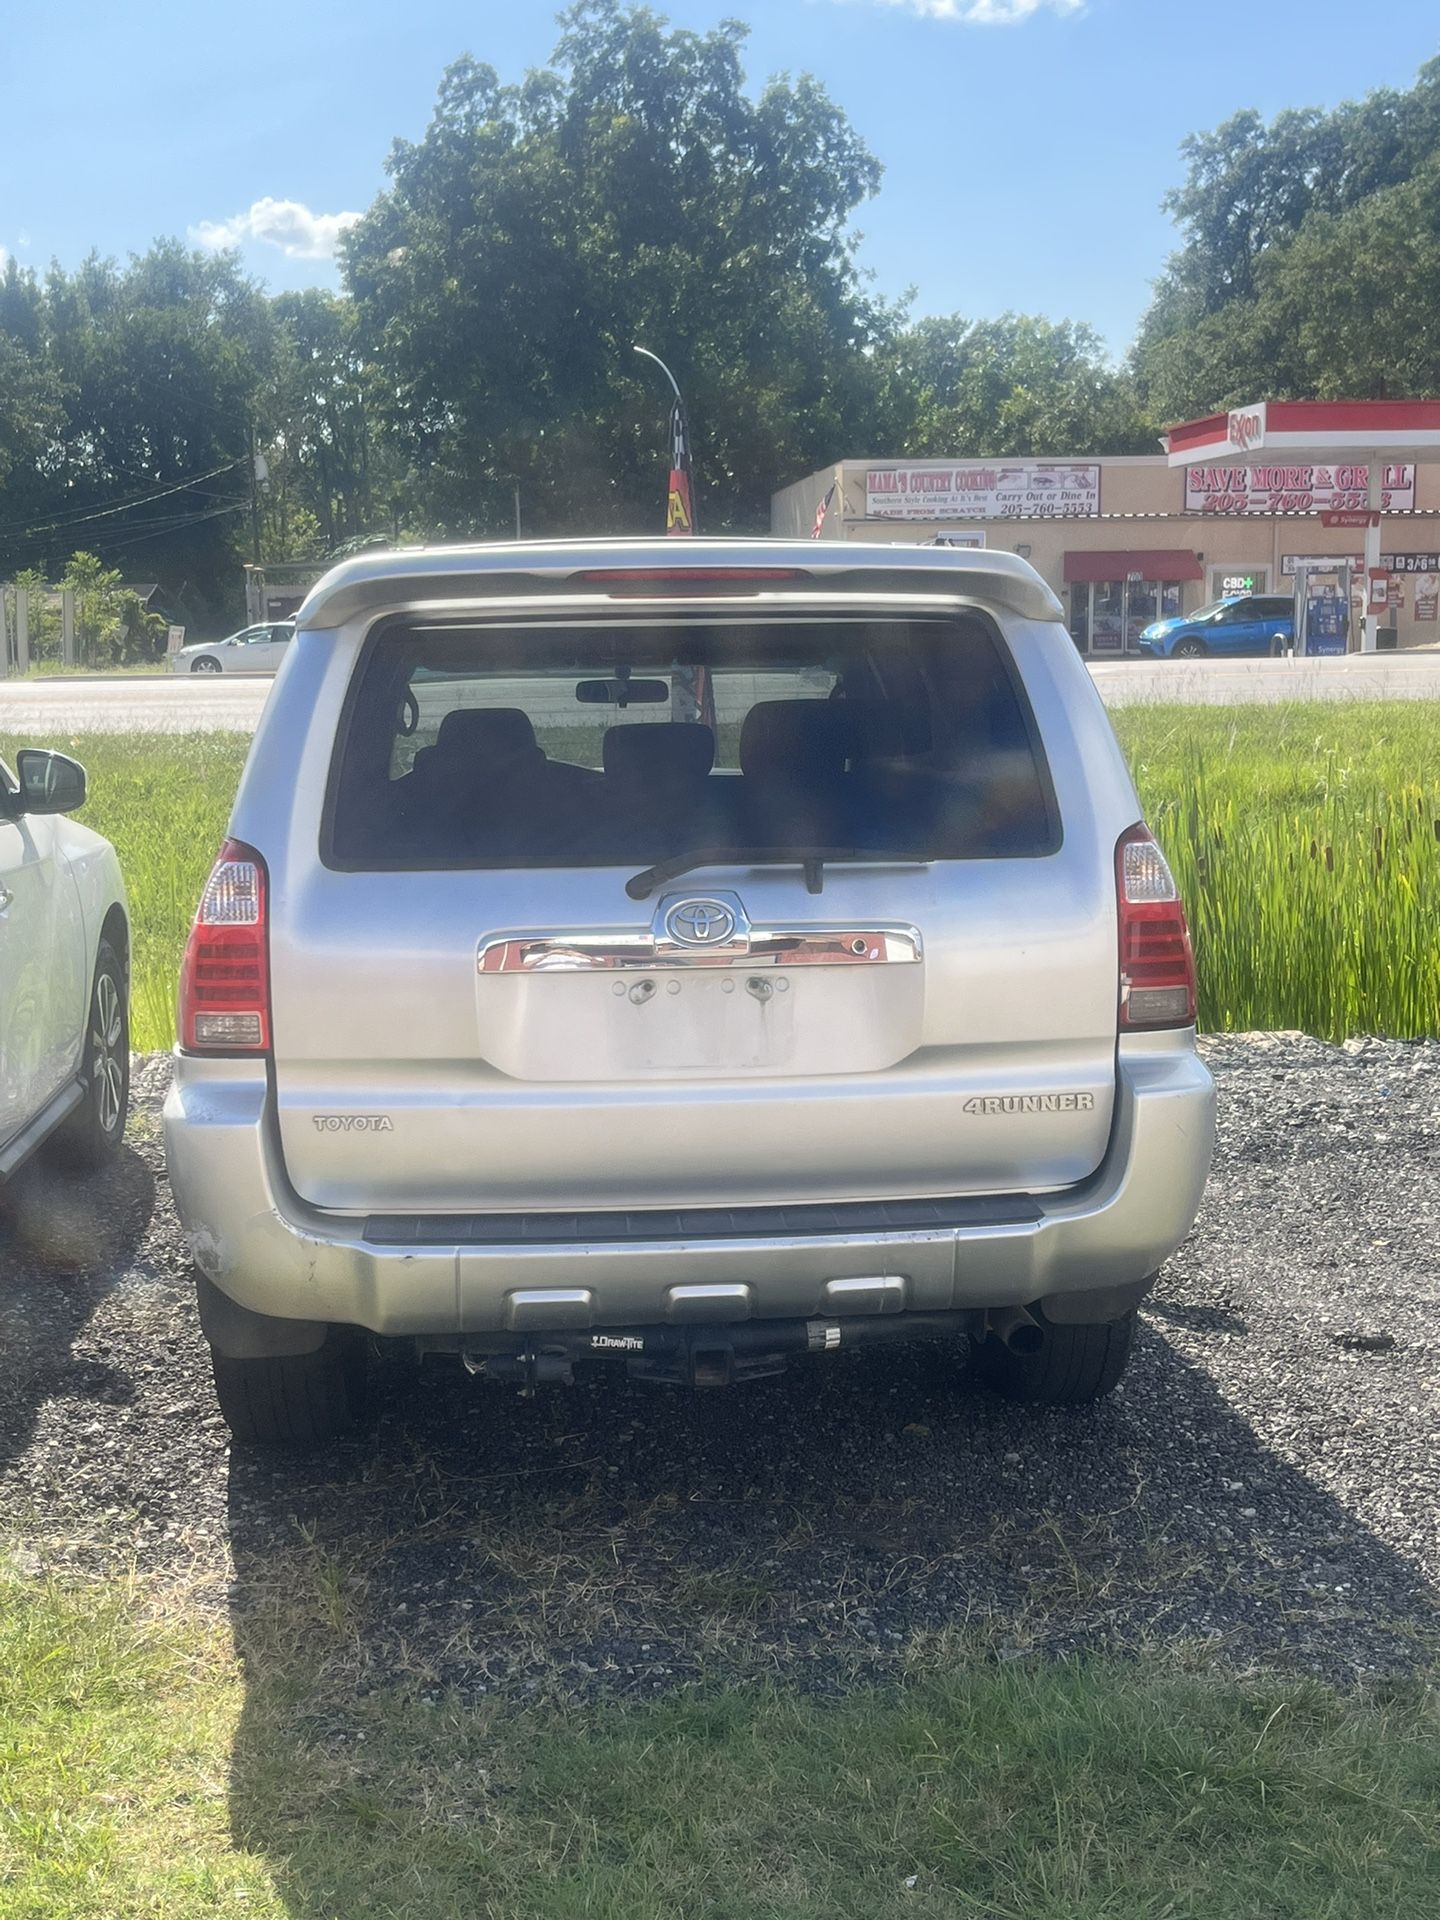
(1246, 428)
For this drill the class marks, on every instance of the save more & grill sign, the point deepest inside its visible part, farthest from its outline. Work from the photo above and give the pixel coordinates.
(1288, 487)
(984, 490)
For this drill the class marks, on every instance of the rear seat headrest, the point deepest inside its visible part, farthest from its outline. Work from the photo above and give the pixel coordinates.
(669, 752)
(491, 735)
(800, 739)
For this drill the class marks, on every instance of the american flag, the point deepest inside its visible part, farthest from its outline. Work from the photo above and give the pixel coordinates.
(821, 512)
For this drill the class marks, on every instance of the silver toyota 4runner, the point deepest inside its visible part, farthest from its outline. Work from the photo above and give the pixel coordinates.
(685, 955)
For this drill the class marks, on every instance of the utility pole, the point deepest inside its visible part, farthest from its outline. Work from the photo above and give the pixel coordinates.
(254, 499)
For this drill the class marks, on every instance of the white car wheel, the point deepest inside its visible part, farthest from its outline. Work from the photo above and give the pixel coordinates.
(94, 1131)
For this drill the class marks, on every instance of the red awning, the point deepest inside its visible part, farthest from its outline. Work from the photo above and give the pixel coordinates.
(1153, 563)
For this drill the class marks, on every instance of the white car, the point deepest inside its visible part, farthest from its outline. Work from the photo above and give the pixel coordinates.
(252, 650)
(64, 971)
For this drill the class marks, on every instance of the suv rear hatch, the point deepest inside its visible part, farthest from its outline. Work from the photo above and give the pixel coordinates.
(871, 966)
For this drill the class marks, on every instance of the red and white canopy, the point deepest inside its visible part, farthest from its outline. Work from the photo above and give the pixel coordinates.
(1330, 430)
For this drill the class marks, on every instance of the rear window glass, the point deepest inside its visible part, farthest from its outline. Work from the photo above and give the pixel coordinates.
(607, 744)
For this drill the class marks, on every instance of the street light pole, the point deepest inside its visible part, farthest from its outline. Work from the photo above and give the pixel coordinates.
(692, 692)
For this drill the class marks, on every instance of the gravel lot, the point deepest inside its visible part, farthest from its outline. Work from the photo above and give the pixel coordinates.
(1263, 1490)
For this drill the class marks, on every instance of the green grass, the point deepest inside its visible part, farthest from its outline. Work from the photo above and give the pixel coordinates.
(146, 1769)
(1306, 840)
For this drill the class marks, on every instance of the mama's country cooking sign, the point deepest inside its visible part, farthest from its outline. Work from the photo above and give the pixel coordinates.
(983, 490)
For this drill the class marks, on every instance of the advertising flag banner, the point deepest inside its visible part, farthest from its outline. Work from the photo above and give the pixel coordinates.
(984, 490)
(680, 504)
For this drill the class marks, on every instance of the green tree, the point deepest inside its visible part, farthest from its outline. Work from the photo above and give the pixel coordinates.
(1307, 259)
(154, 370)
(31, 411)
(111, 626)
(331, 478)
(1359, 294)
(1019, 384)
(632, 193)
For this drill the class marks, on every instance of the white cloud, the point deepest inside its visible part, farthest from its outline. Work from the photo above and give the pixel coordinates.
(985, 13)
(286, 224)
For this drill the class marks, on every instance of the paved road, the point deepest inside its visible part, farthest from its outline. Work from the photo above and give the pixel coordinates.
(52, 708)
(1219, 683)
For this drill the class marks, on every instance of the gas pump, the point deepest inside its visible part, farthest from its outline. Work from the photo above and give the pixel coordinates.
(1322, 609)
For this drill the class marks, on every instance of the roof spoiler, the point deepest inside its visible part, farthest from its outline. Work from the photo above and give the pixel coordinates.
(635, 569)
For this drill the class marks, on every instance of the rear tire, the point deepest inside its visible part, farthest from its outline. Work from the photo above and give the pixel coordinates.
(295, 1400)
(1188, 650)
(91, 1137)
(1075, 1366)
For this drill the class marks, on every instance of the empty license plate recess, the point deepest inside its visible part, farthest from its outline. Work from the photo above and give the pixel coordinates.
(626, 1004)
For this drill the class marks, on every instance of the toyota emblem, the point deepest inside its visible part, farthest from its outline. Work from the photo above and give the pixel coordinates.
(700, 923)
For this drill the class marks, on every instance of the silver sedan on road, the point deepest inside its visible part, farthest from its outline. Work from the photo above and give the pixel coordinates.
(252, 650)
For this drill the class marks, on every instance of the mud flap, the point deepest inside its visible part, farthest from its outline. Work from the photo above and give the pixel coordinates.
(241, 1334)
(1095, 1305)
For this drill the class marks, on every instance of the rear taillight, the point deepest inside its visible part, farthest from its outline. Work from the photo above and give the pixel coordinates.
(1157, 966)
(225, 977)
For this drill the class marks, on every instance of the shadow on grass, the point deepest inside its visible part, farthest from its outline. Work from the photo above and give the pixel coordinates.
(869, 1519)
(64, 1240)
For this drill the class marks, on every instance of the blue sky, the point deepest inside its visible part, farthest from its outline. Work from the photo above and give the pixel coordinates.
(1025, 157)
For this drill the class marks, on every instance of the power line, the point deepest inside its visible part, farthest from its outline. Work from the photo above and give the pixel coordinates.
(66, 521)
(175, 526)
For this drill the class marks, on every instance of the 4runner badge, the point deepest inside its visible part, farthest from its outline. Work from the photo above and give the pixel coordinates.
(991, 1103)
(353, 1123)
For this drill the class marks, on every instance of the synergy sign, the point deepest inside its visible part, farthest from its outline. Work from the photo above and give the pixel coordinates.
(1295, 489)
(983, 491)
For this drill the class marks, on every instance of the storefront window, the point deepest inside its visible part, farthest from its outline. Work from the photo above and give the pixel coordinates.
(1107, 617)
(1142, 606)
(1110, 615)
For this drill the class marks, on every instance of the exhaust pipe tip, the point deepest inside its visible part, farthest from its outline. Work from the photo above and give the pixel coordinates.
(1017, 1330)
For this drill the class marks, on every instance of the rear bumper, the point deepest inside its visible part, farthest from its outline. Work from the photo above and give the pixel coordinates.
(251, 1235)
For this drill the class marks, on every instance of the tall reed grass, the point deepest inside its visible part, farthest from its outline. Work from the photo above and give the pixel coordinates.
(1306, 842)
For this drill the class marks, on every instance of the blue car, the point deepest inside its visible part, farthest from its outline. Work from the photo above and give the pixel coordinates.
(1244, 623)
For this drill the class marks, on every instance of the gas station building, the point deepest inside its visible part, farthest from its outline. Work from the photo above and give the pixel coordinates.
(1238, 502)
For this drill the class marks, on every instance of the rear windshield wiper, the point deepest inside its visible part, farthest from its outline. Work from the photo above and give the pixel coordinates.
(641, 885)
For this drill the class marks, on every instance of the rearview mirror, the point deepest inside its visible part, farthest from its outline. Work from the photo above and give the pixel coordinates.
(49, 782)
(622, 693)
